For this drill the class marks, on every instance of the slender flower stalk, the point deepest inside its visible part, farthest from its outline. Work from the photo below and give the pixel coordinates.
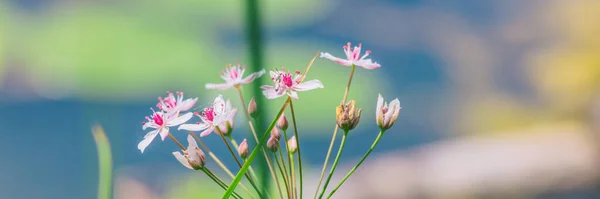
(334, 132)
(290, 158)
(359, 163)
(220, 182)
(235, 145)
(247, 115)
(335, 162)
(285, 180)
(285, 171)
(298, 142)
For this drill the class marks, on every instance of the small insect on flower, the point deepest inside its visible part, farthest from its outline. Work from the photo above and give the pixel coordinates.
(192, 158)
(285, 84)
(353, 58)
(160, 122)
(220, 114)
(174, 106)
(387, 114)
(233, 77)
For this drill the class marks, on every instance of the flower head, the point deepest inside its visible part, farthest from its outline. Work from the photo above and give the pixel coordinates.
(293, 144)
(282, 122)
(243, 149)
(173, 105)
(387, 114)
(160, 122)
(193, 157)
(353, 58)
(233, 77)
(220, 114)
(347, 116)
(285, 84)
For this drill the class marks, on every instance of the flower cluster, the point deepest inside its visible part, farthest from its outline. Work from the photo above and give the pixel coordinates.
(174, 111)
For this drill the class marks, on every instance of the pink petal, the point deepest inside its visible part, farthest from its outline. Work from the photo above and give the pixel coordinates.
(207, 131)
(270, 93)
(219, 86)
(253, 76)
(188, 104)
(193, 127)
(367, 64)
(182, 159)
(308, 85)
(191, 143)
(335, 59)
(147, 140)
(180, 120)
(378, 110)
(163, 132)
(293, 94)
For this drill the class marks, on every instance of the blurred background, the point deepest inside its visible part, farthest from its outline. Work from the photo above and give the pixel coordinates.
(501, 99)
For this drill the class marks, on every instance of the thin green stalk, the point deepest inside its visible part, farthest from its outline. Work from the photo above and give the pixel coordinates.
(335, 162)
(334, 132)
(285, 171)
(237, 161)
(218, 181)
(297, 142)
(290, 158)
(254, 153)
(359, 163)
(285, 181)
(267, 159)
(217, 160)
(235, 145)
(104, 162)
(294, 177)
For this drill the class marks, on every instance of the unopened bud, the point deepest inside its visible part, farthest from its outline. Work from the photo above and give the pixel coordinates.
(273, 144)
(347, 116)
(243, 149)
(387, 114)
(276, 133)
(193, 157)
(252, 109)
(292, 144)
(282, 122)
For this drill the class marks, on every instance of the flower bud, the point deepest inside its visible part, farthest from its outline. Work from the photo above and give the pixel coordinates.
(252, 109)
(273, 144)
(282, 122)
(276, 133)
(243, 149)
(347, 116)
(293, 145)
(387, 114)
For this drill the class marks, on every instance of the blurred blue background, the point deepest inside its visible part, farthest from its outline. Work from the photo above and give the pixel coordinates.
(461, 69)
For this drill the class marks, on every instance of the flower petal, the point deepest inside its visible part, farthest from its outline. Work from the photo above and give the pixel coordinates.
(182, 159)
(335, 59)
(188, 104)
(253, 76)
(219, 86)
(180, 120)
(367, 64)
(392, 107)
(270, 93)
(378, 109)
(163, 132)
(207, 131)
(308, 85)
(147, 139)
(193, 127)
(191, 144)
(293, 94)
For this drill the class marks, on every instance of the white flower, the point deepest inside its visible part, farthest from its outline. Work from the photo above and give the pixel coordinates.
(173, 106)
(160, 122)
(387, 114)
(353, 57)
(233, 77)
(193, 157)
(219, 114)
(284, 84)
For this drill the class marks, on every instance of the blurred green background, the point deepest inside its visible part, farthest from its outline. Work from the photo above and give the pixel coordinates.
(461, 68)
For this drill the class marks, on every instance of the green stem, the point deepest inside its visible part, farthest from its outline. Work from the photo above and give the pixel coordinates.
(104, 162)
(297, 143)
(285, 171)
(334, 131)
(359, 163)
(285, 181)
(235, 145)
(254, 153)
(292, 177)
(238, 161)
(335, 162)
(217, 180)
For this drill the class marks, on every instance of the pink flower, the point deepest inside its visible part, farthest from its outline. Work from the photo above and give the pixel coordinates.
(243, 149)
(353, 58)
(172, 105)
(285, 84)
(160, 122)
(219, 114)
(387, 114)
(192, 157)
(233, 77)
